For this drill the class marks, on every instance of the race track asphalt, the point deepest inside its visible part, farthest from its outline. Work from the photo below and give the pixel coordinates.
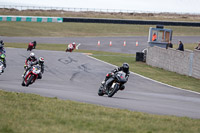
(77, 77)
(90, 43)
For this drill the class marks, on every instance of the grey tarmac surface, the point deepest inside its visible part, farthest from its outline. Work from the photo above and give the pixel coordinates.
(90, 43)
(77, 77)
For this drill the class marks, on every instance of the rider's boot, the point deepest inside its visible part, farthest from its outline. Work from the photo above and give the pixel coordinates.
(122, 87)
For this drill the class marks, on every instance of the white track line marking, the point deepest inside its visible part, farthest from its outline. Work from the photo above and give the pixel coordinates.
(147, 77)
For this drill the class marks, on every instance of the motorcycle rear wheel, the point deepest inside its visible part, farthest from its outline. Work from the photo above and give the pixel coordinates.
(100, 92)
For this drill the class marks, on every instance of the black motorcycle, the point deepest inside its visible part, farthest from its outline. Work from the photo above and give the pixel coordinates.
(113, 84)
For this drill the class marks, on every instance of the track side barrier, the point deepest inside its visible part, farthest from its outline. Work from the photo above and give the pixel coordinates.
(30, 19)
(96, 20)
(124, 21)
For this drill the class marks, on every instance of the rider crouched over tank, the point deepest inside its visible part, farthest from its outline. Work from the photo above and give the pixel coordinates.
(111, 76)
(31, 61)
(41, 63)
(33, 72)
(72, 46)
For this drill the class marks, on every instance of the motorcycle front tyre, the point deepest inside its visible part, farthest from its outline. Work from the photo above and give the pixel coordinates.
(23, 84)
(113, 91)
(29, 80)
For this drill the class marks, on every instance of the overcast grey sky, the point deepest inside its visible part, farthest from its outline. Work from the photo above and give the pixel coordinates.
(180, 6)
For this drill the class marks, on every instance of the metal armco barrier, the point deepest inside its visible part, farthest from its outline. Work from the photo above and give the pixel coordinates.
(124, 21)
(30, 19)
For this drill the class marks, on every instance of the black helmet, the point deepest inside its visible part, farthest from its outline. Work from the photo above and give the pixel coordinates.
(41, 60)
(125, 67)
(1, 41)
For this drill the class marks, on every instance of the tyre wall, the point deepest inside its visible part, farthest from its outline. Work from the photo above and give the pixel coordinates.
(30, 19)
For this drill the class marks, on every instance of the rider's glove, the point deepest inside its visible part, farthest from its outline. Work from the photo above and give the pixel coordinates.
(25, 66)
(114, 71)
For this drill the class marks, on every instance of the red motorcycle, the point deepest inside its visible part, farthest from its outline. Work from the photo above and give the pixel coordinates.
(31, 75)
(71, 47)
(30, 46)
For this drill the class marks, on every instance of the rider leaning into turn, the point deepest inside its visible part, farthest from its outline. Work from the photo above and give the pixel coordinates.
(1, 42)
(41, 63)
(2, 50)
(31, 59)
(124, 68)
(71, 46)
(2, 55)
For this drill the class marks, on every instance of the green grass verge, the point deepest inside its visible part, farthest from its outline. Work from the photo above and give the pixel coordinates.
(29, 113)
(158, 74)
(57, 47)
(36, 29)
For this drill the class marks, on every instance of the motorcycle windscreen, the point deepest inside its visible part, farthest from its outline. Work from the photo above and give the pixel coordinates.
(36, 70)
(121, 77)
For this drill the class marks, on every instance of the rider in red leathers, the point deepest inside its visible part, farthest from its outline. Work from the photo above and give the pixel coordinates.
(32, 45)
(72, 46)
(31, 59)
(41, 63)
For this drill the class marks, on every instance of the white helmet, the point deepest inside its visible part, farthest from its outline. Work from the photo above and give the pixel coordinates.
(41, 60)
(32, 55)
(73, 43)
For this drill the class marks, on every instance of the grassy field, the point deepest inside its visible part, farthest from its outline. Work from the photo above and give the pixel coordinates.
(158, 74)
(29, 113)
(35, 29)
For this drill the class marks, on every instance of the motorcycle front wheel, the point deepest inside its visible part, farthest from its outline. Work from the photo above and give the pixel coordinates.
(113, 90)
(29, 80)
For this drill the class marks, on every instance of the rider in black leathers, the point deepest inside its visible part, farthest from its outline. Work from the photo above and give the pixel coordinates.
(1, 42)
(124, 68)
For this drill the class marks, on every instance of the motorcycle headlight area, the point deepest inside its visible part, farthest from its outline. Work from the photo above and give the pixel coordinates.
(36, 70)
